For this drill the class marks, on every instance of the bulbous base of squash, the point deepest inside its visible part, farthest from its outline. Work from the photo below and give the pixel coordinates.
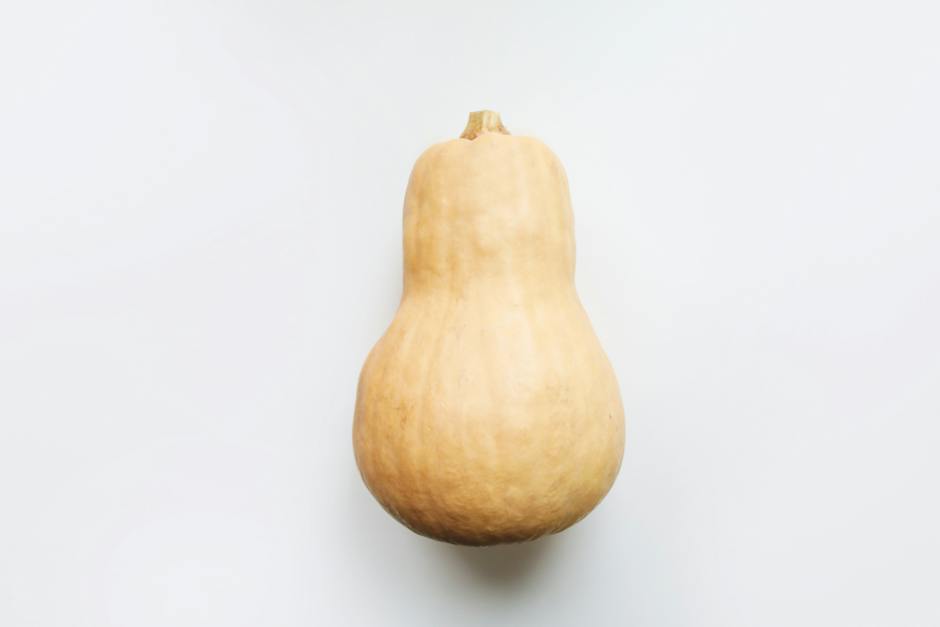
(460, 455)
(490, 509)
(463, 528)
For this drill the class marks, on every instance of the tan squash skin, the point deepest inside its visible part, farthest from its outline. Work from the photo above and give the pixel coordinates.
(488, 412)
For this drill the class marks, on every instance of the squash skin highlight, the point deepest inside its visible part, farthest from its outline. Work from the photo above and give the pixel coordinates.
(488, 412)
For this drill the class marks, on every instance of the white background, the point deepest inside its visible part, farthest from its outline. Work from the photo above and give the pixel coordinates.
(200, 241)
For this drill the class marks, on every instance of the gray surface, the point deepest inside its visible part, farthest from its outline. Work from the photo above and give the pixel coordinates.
(200, 241)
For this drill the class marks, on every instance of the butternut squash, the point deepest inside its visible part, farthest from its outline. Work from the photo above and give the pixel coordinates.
(488, 412)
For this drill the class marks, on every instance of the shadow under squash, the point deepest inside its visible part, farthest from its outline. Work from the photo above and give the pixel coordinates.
(502, 565)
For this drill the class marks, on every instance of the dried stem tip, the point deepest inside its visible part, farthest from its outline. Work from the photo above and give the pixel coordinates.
(483, 122)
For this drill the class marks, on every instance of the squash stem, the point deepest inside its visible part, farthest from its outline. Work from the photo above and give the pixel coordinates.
(481, 122)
